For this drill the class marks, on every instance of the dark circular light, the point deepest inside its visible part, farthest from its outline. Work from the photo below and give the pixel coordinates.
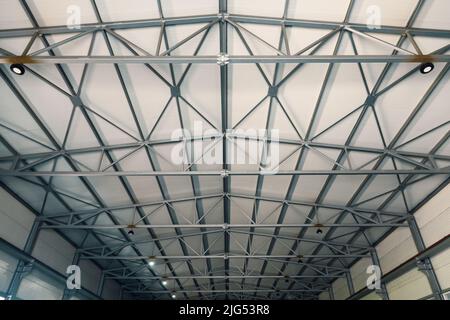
(319, 231)
(18, 69)
(426, 67)
(130, 232)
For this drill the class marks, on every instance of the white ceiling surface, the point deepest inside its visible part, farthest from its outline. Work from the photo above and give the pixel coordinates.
(103, 94)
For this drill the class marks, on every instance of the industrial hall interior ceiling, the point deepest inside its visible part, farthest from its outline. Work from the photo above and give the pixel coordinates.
(223, 149)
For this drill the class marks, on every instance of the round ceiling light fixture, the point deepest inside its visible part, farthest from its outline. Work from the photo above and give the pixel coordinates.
(426, 67)
(18, 69)
(151, 261)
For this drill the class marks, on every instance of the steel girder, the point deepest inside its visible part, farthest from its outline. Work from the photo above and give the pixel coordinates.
(173, 21)
(167, 258)
(323, 271)
(226, 226)
(184, 277)
(433, 171)
(42, 157)
(229, 59)
(223, 58)
(25, 165)
(358, 210)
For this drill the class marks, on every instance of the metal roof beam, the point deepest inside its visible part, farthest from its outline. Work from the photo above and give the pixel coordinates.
(73, 226)
(18, 173)
(196, 19)
(233, 59)
(335, 146)
(249, 276)
(165, 258)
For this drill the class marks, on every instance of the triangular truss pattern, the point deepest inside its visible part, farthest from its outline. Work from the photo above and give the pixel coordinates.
(89, 128)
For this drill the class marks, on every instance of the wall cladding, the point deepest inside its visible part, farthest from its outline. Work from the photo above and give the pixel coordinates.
(52, 249)
(432, 219)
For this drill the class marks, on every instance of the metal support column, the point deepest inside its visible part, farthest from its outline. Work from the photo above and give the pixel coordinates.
(101, 284)
(68, 293)
(23, 267)
(331, 292)
(351, 288)
(382, 292)
(424, 264)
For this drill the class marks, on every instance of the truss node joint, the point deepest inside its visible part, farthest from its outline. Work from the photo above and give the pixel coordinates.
(424, 265)
(175, 91)
(223, 16)
(224, 173)
(223, 59)
(370, 101)
(76, 101)
(273, 91)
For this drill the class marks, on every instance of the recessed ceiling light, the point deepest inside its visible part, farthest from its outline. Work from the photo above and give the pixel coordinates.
(164, 283)
(426, 67)
(18, 69)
